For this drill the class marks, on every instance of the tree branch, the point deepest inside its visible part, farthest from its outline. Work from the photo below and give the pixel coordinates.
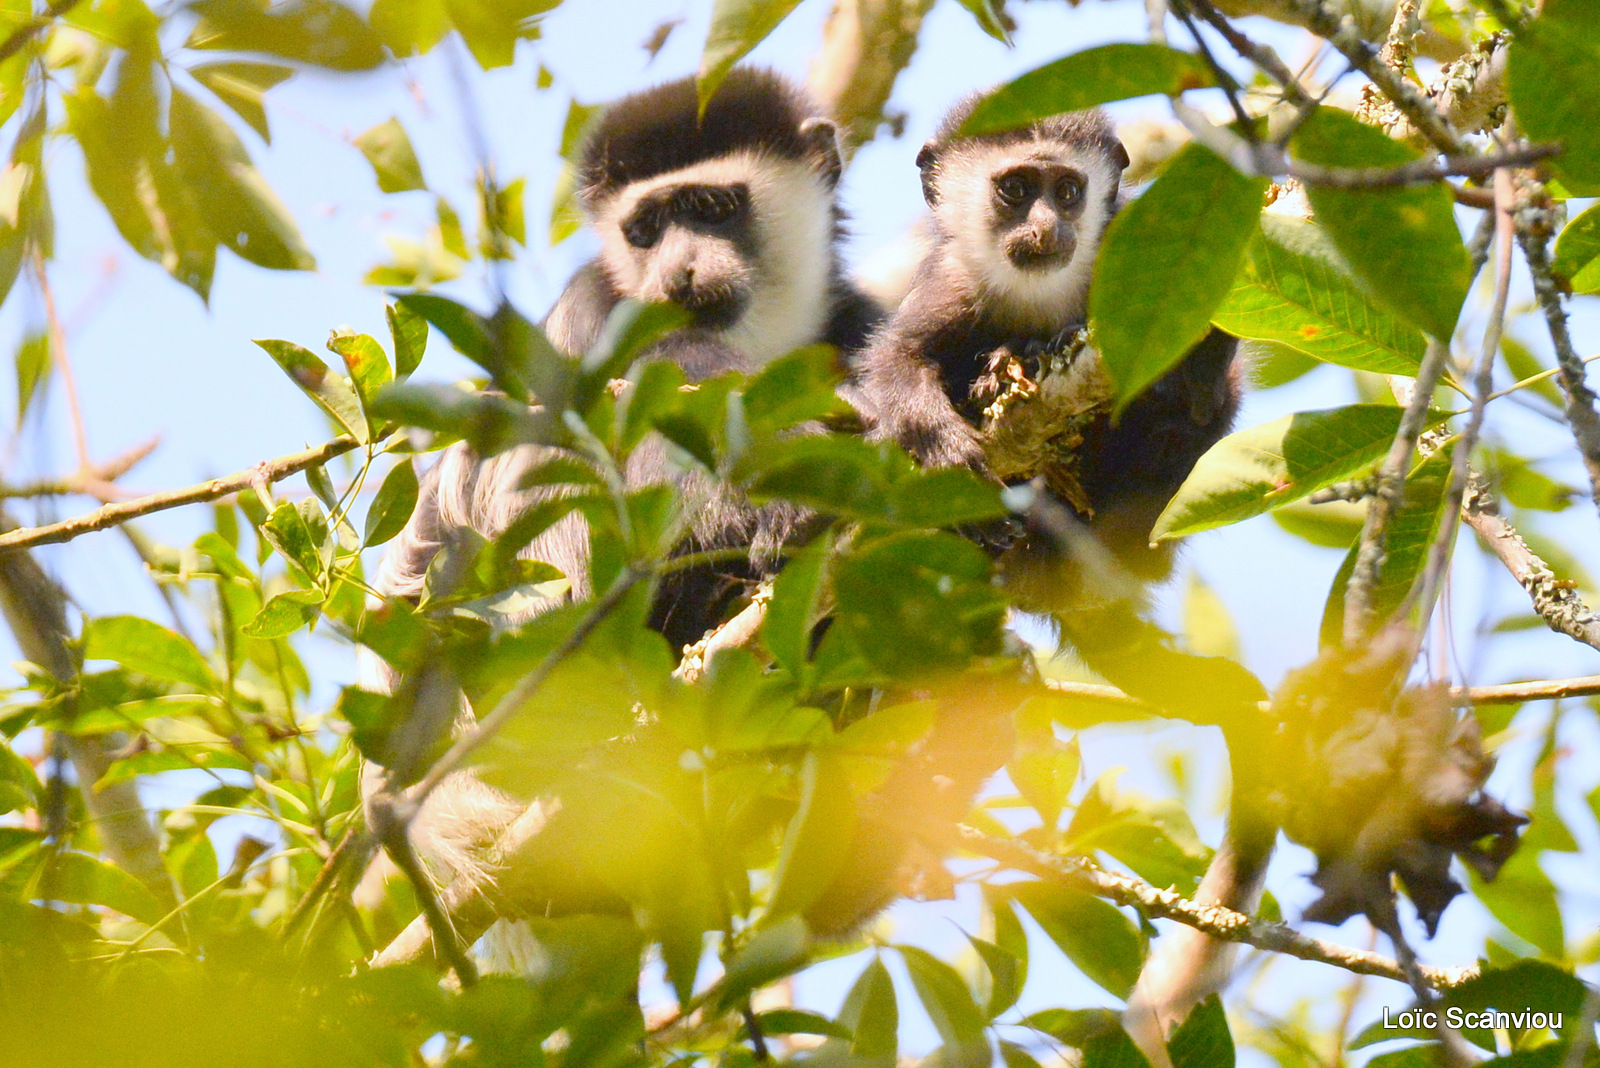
(1221, 923)
(266, 472)
(1412, 102)
(1388, 496)
(1556, 601)
(89, 480)
(1533, 234)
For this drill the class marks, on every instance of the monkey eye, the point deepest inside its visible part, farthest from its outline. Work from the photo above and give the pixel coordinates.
(643, 228)
(1069, 190)
(713, 205)
(1014, 188)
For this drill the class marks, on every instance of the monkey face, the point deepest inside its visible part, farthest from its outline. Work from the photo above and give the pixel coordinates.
(743, 242)
(692, 244)
(1036, 207)
(1022, 219)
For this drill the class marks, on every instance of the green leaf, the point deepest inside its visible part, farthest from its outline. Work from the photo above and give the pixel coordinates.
(148, 648)
(795, 608)
(34, 366)
(1074, 1027)
(800, 1022)
(737, 26)
(369, 370)
(1255, 470)
(298, 541)
(1203, 1040)
(1167, 262)
(1523, 898)
(847, 476)
(410, 333)
(409, 27)
(988, 16)
(1578, 252)
(319, 32)
(818, 837)
(1550, 56)
(793, 389)
(949, 1005)
(285, 614)
(1087, 79)
(238, 205)
(1295, 289)
(392, 507)
(86, 880)
(332, 393)
(774, 952)
(872, 1014)
(489, 423)
(243, 86)
(1014, 1056)
(1402, 240)
(1113, 1050)
(393, 160)
(492, 28)
(1523, 364)
(1332, 525)
(917, 601)
(467, 331)
(1095, 936)
(1411, 531)
(566, 214)
(1006, 976)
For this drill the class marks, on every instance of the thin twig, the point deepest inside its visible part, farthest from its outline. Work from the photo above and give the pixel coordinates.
(1555, 600)
(1422, 171)
(84, 481)
(1342, 33)
(267, 471)
(1388, 495)
(1221, 923)
(1225, 80)
(390, 824)
(1426, 591)
(1456, 1052)
(1265, 59)
(1533, 234)
(23, 34)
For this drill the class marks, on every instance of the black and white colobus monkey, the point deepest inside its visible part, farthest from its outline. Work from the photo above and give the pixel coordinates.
(731, 215)
(1017, 220)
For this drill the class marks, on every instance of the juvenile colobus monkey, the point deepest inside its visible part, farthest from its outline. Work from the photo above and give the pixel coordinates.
(1017, 219)
(731, 215)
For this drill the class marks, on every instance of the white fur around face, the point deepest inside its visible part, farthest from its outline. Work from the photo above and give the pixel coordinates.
(791, 210)
(965, 211)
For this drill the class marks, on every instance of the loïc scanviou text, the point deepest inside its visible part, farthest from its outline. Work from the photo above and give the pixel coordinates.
(1461, 1018)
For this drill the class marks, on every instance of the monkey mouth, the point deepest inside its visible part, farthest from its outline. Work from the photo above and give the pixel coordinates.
(1039, 255)
(713, 307)
(1033, 259)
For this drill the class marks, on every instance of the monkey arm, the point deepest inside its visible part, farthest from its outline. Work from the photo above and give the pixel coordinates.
(904, 391)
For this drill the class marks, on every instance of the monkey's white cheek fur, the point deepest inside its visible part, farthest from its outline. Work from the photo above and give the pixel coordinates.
(965, 211)
(792, 220)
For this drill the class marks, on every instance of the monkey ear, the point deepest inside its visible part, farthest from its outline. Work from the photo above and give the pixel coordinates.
(821, 139)
(1119, 156)
(925, 163)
